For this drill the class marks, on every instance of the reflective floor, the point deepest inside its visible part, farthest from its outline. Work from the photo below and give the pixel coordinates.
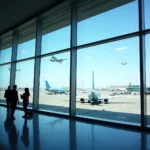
(52, 133)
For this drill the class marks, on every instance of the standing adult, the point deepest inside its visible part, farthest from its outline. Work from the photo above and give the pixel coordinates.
(14, 100)
(25, 98)
(7, 95)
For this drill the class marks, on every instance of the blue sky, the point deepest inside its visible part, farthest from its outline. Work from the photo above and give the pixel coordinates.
(104, 59)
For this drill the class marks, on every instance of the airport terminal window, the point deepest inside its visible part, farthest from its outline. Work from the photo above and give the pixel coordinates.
(6, 50)
(26, 44)
(4, 81)
(147, 12)
(55, 82)
(99, 20)
(24, 78)
(56, 30)
(112, 71)
(147, 38)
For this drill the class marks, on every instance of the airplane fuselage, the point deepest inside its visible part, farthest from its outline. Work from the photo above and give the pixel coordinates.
(57, 91)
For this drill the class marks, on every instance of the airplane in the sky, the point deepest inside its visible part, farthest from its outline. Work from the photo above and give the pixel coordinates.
(94, 96)
(54, 59)
(55, 90)
(16, 69)
(124, 63)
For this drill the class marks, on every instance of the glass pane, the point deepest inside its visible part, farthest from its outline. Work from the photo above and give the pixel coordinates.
(6, 50)
(148, 79)
(4, 81)
(56, 29)
(115, 68)
(147, 12)
(55, 127)
(54, 83)
(24, 79)
(97, 137)
(100, 20)
(26, 45)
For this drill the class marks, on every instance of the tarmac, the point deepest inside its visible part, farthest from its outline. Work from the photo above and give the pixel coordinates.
(122, 108)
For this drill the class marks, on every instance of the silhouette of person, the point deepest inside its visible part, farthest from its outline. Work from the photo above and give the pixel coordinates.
(11, 130)
(25, 98)
(15, 99)
(25, 134)
(7, 95)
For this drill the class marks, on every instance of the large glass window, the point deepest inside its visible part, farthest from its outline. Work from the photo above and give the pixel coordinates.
(54, 83)
(56, 29)
(4, 81)
(99, 20)
(6, 49)
(147, 12)
(24, 78)
(112, 71)
(26, 42)
(147, 77)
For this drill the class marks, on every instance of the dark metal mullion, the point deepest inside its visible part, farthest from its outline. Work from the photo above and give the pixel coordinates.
(37, 64)
(109, 40)
(13, 57)
(142, 63)
(73, 60)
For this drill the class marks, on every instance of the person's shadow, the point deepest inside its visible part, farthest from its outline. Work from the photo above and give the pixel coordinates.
(12, 132)
(25, 134)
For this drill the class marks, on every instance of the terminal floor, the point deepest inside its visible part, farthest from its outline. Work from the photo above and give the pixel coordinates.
(53, 133)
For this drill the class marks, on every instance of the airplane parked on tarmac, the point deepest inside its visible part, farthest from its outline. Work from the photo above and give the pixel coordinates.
(55, 90)
(54, 59)
(94, 96)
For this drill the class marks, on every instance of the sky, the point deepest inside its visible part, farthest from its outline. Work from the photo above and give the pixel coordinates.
(105, 60)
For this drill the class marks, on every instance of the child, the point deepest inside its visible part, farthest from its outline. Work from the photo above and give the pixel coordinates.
(25, 98)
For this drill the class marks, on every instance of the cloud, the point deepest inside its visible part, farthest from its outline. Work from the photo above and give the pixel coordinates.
(87, 57)
(22, 51)
(59, 70)
(122, 48)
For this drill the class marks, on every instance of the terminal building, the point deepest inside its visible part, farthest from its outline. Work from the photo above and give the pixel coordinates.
(52, 47)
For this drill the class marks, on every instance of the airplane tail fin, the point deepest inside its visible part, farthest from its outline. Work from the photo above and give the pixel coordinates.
(47, 85)
(118, 87)
(93, 80)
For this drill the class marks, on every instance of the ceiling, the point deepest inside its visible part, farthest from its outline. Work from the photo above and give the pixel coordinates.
(16, 12)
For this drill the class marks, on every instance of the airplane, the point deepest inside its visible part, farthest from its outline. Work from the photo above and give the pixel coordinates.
(124, 63)
(94, 96)
(119, 91)
(55, 90)
(54, 59)
(16, 69)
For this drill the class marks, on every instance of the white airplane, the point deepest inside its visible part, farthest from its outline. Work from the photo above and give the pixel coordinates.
(54, 59)
(16, 69)
(94, 96)
(124, 63)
